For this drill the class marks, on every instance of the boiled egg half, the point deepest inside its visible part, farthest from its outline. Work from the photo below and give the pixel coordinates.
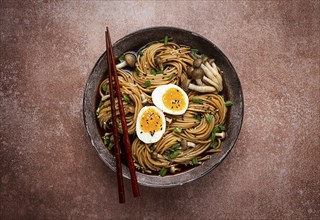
(171, 99)
(151, 124)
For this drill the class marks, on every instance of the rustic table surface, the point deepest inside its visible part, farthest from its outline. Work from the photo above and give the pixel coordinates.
(49, 170)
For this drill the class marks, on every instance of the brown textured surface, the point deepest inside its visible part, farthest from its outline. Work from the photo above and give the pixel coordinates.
(49, 169)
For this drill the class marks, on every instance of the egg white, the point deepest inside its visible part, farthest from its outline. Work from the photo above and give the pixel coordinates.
(147, 137)
(158, 93)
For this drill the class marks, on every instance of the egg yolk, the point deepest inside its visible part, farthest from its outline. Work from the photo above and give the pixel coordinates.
(174, 100)
(150, 121)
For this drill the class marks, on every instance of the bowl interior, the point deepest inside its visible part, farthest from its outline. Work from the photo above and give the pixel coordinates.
(232, 91)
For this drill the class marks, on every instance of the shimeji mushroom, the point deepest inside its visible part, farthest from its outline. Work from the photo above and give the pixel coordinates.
(169, 120)
(159, 62)
(197, 74)
(189, 71)
(211, 65)
(186, 84)
(129, 60)
(185, 144)
(212, 74)
(143, 98)
(197, 63)
(173, 169)
(221, 135)
(204, 76)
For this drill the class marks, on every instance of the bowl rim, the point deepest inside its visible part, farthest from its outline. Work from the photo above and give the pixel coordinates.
(146, 179)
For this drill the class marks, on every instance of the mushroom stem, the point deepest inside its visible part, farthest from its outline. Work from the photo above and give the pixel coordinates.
(129, 59)
(211, 74)
(155, 155)
(221, 135)
(199, 82)
(173, 169)
(185, 85)
(214, 70)
(158, 61)
(121, 65)
(169, 120)
(143, 98)
(208, 73)
(185, 144)
(211, 82)
(105, 97)
(202, 89)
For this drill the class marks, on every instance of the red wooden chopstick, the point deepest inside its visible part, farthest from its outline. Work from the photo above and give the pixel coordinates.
(126, 140)
(115, 128)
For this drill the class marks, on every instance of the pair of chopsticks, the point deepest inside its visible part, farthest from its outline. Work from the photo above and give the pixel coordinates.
(114, 84)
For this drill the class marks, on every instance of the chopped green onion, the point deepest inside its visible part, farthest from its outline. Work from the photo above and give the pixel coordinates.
(169, 39)
(197, 117)
(175, 146)
(98, 111)
(166, 40)
(222, 127)
(121, 58)
(195, 53)
(104, 87)
(197, 100)
(140, 52)
(174, 155)
(213, 135)
(155, 72)
(214, 144)
(106, 141)
(177, 130)
(209, 118)
(216, 129)
(195, 161)
(126, 99)
(228, 103)
(101, 103)
(171, 76)
(163, 171)
(137, 72)
(147, 83)
(110, 146)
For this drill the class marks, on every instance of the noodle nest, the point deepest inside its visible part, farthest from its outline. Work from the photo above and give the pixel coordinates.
(190, 138)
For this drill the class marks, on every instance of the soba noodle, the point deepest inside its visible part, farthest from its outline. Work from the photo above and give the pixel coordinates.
(188, 139)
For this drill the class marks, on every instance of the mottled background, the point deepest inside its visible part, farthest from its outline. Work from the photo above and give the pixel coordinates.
(49, 170)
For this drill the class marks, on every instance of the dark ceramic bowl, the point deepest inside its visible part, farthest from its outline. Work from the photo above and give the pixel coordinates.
(232, 91)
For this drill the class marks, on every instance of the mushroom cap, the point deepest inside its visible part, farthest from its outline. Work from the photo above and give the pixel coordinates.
(204, 58)
(158, 61)
(197, 73)
(131, 59)
(185, 84)
(184, 144)
(197, 63)
(173, 169)
(189, 71)
(211, 61)
(154, 155)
